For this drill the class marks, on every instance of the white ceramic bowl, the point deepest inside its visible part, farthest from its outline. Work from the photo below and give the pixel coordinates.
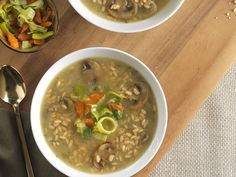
(81, 55)
(164, 14)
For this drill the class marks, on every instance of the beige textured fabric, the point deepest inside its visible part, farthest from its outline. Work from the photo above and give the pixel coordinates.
(207, 148)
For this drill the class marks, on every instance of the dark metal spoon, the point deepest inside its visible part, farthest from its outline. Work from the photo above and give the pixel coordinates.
(13, 91)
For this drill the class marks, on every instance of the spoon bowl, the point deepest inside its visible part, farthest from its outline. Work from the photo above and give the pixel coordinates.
(12, 85)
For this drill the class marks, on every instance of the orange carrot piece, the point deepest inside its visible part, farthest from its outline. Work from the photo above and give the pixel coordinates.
(24, 37)
(24, 28)
(79, 107)
(38, 17)
(89, 122)
(94, 98)
(48, 15)
(38, 42)
(13, 42)
(46, 24)
(117, 107)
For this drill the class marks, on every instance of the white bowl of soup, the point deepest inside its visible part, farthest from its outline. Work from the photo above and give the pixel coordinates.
(99, 111)
(126, 16)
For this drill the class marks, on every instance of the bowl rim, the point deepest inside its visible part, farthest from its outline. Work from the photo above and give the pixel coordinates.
(131, 27)
(160, 99)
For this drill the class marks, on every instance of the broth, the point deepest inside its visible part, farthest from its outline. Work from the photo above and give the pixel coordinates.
(99, 115)
(116, 10)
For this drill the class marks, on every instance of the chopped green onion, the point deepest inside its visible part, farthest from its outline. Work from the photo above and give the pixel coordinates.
(100, 136)
(106, 125)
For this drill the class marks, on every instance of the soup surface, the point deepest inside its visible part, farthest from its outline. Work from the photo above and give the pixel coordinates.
(125, 10)
(99, 115)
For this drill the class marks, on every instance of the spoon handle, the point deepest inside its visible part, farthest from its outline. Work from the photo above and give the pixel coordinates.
(23, 142)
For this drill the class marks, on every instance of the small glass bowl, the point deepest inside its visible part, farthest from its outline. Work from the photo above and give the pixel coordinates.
(55, 29)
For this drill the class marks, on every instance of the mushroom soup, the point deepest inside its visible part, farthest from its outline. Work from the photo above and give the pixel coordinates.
(99, 115)
(125, 10)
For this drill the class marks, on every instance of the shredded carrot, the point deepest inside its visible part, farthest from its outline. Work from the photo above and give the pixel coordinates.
(24, 28)
(24, 37)
(94, 98)
(48, 15)
(46, 24)
(37, 17)
(117, 107)
(38, 42)
(12, 40)
(89, 122)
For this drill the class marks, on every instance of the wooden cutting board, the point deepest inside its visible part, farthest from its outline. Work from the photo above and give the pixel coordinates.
(189, 54)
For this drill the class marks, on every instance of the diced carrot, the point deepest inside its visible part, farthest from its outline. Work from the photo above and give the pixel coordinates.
(37, 17)
(79, 107)
(117, 107)
(24, 28)
(46, 24)
(94, 98)
(39, 42)
(82, 108)
(48, 15)
(24, 37)
(12, 40)
(89, 122)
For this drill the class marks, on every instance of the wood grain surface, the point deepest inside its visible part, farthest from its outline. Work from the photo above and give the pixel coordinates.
(189, 54)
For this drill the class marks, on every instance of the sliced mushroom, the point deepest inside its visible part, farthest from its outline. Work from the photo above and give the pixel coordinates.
(90, 71)
(122, 9)
(103, 154)
(138, 101)
(67, 103)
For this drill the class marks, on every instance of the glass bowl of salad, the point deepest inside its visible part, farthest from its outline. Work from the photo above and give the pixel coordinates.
(27, 26)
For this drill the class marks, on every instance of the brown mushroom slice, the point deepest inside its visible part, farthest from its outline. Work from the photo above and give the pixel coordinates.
(102, 154)
(122, 9)
(138, 101)
(90, 71)
(66, 103)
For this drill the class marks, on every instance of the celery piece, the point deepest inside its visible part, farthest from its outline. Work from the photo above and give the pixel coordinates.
(19, 2)
(4, 28)
(37, 4)
(29, 13)
(7, 7)
(26, 45)
(43, 35)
